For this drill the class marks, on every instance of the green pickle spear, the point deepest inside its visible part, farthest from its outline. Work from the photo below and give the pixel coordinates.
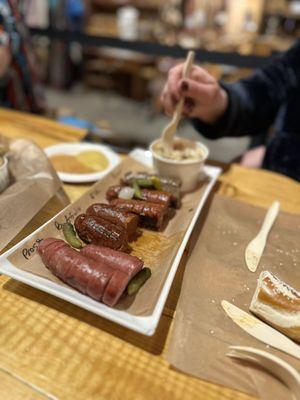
(138, 281)
(137, 191)
(70, 236)
(156, 182)
(146, 182)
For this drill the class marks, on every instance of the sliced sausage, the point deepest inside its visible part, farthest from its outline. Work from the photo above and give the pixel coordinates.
(126, 263)
(95, 230)
(127, 221)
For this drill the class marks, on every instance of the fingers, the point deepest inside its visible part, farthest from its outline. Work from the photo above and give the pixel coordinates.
(199, 88)
(188, 107)
(200, 75)
(174, 76)
(167, 102)
(199, 92)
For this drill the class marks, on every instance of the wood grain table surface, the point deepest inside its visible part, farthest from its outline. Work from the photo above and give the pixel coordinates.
(52, 349)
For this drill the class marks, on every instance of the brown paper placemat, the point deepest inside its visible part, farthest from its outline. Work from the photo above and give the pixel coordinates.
(34, 182)
(156, 249)
(216, 270)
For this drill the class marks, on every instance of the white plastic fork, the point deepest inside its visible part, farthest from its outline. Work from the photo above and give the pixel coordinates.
(273, 364)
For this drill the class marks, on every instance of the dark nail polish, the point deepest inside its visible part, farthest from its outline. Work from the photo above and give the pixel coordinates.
(189, 103)
(184, 86)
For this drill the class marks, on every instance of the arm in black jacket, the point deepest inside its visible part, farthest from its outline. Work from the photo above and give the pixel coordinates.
(254, 102)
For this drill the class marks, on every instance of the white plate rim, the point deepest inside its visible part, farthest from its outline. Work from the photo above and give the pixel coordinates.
(73, 148)
(145, 325)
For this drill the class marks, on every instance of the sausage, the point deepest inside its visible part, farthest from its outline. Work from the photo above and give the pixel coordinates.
(95, 230)
(170, 185)
(154, 196)
(89, 277)
(115, 288)
(113, 192)
(127, 221)
(126, 263)
(132, 176)
(152, 215)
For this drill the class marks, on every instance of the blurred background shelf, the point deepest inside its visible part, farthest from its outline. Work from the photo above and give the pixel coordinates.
(113, 56)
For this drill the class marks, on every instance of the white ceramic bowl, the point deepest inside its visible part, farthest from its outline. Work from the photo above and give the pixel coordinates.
(189, 171)
(4, 175)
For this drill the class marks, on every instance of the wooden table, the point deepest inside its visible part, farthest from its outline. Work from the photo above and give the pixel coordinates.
(48, 346)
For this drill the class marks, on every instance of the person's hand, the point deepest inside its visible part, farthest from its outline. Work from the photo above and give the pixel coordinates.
(204, 97)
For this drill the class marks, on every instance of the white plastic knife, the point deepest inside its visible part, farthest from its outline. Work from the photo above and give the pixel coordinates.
(260, 330)
(256, 247)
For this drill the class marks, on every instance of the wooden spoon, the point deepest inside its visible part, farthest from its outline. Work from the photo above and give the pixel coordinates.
(170, 129)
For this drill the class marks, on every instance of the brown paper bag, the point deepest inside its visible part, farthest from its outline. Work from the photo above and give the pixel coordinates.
(33, 183)
(216, 270)
(156, 249)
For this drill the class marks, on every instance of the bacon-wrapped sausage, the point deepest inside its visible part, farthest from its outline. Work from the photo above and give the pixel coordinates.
(130, 177)
(99, 231)
(154, 196)
(125, 220)
(152, 215)
(167, 184)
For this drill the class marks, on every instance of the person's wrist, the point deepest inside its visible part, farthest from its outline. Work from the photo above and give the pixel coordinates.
(219, 109)
(223, 104)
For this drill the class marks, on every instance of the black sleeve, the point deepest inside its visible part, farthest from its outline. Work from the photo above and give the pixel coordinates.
(254, 102)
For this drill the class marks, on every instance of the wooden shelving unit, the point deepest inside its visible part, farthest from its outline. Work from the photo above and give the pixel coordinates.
(142, 5)
(122, 70)
(119, 69)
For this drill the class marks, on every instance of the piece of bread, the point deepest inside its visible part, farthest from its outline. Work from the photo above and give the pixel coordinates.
(278, 304)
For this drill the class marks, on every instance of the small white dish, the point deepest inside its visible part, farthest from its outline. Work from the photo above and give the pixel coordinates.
(72, 149)
(4, 175)
(189, 171)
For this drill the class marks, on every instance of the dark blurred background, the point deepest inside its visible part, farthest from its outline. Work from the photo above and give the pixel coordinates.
(104, 62)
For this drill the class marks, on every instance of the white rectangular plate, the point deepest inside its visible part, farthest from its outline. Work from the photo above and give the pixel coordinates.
(145, 325)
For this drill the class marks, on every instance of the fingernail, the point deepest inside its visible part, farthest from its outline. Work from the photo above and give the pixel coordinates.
(184, 86)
